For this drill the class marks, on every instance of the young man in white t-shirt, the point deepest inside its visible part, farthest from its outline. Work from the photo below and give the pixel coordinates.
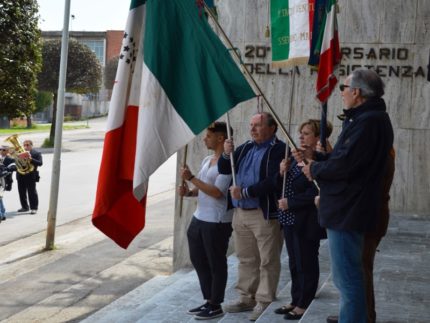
(210, 229)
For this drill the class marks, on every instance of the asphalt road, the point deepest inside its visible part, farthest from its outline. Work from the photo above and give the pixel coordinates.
(80, 162)
(87, 270)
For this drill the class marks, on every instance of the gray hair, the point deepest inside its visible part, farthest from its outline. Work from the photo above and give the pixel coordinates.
(369, 83)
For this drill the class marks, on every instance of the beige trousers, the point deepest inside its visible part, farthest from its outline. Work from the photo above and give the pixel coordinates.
(258, 244)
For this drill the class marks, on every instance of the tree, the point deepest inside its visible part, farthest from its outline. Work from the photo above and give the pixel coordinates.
(20, 56)
(43, 100)
(83, 72)
(110, 72)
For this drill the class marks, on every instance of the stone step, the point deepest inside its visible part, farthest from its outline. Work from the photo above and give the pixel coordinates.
(128, 307)
(181, 291)
(64, 305)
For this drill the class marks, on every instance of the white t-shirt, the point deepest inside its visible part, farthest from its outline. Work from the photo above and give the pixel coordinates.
(212, 209)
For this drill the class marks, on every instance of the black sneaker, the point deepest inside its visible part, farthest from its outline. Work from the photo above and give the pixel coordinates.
(209, 314)
(22, 210)
(199, 309)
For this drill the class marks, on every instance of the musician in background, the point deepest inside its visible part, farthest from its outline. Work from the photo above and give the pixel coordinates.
(27, 182)
(5, 178)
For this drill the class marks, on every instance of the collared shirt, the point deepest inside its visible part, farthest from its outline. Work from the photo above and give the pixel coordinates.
(249, 173)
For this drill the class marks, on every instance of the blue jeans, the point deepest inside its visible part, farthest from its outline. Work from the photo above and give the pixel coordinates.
(2, 209)
(346, 249)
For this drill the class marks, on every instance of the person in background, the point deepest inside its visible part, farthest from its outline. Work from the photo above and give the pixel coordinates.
(5, 177)
(210, 228)
(299, 219)
(27, 182)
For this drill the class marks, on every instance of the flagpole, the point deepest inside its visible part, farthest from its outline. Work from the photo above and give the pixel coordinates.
(250, 78)
(255, 85)
(323, 126)
(184, 162)
(56, 161)
(233, 169)
(293, 77)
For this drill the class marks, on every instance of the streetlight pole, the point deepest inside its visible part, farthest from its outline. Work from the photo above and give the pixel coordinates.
(56, 163)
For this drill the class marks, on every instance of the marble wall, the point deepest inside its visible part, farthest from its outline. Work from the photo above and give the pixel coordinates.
(390, 36)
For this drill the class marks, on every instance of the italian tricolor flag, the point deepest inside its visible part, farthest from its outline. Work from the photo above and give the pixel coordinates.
(329, 51)
(291, 30)
(174, 78)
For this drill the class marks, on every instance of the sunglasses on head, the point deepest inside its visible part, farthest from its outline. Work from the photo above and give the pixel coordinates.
(343, 87)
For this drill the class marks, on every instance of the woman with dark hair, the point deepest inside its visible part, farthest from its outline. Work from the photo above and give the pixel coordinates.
(298, 217)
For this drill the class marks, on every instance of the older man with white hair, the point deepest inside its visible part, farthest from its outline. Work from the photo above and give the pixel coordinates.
(351, 180)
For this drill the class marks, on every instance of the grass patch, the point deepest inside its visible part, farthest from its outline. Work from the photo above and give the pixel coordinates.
(40, 128)
(47, 143)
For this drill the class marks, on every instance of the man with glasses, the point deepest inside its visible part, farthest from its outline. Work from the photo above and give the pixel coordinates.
(351, 179)
(27, 182)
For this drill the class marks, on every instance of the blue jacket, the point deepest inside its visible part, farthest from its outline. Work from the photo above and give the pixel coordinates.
(351, 178)
(266, 189)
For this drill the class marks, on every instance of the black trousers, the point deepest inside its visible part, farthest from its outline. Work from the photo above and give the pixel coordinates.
(27, 185)
(208, 244)
(304, 267)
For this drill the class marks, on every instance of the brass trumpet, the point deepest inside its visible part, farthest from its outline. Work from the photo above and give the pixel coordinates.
(23, 165)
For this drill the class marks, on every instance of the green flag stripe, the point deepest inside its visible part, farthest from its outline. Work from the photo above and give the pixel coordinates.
(136, 3)
(280, 27)
(193, 67)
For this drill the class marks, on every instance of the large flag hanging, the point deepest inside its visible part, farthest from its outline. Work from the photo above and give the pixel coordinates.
(328, 49)
(291, 30)
(174, 78)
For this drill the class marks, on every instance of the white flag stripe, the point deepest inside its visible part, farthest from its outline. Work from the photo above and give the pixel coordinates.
(299, 29)
(161, 132)
(117, 106)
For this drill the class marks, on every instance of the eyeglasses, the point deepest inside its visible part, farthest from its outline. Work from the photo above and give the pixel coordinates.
(343, 87)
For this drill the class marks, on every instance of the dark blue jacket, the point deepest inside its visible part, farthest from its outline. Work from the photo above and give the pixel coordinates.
(302, 205)
(266, 189)
(351, 178)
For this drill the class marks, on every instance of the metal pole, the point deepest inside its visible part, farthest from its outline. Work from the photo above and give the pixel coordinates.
(56, 163)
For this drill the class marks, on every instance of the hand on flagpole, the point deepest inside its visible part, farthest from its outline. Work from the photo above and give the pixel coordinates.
(236, 192)
(283, 166)
(283, 204)
(327, 150)
(183, 190)
(228, 146)
(306, 169)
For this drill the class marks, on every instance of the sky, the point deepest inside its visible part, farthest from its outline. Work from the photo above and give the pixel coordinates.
(90, 15)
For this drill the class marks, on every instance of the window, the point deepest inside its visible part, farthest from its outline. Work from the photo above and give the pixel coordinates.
(98, 47)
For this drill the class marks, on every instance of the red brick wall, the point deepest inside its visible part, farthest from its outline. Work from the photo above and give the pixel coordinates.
(113, 43)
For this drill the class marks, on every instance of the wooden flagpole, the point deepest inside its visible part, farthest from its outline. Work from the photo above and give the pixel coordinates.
(184, 162)
(251, 79)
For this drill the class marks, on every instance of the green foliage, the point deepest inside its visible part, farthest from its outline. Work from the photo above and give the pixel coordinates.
(43, 100)
(110, 72)
(20, 56)
(83, 71)
(83, 68)
(48, 143)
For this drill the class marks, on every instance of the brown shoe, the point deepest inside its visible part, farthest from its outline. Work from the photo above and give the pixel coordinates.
(258, 310)
(239, 306)
(332, 319)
